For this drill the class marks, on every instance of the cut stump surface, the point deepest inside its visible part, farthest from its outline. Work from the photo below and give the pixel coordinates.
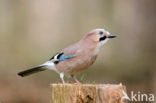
(88, 93)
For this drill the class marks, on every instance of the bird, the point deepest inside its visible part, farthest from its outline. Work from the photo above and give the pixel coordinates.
(75, 58)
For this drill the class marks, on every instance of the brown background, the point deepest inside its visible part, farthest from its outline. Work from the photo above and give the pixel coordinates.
(31, 31)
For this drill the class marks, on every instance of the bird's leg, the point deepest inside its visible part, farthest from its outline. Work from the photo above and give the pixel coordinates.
(62, 78)
(75, 79)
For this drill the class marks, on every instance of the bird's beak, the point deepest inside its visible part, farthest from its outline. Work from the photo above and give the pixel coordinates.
(111, 36)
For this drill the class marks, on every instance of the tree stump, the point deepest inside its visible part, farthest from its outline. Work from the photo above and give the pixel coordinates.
(88, 93)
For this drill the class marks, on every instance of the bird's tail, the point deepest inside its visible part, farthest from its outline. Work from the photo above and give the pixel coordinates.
(32, 70)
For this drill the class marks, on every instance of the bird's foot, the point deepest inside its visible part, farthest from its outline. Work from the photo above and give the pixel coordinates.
(75, 79)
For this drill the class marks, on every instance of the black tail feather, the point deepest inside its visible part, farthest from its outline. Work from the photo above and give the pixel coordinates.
(31, 71)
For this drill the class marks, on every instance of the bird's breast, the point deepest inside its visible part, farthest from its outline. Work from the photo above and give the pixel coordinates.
(81, 61)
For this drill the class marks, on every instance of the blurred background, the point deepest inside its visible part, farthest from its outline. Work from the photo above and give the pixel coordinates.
(32, 31)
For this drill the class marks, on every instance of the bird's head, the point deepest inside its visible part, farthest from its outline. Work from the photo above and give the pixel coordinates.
(100, 36)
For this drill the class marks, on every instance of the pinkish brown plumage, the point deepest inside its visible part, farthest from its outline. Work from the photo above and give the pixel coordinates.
(75, 58)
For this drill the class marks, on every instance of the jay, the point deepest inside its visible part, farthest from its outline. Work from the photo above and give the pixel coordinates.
(75, 58)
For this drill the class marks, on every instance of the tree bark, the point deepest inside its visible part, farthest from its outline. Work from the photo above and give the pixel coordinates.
(88, 93)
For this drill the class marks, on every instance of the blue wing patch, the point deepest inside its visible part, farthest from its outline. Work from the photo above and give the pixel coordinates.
(62, 57)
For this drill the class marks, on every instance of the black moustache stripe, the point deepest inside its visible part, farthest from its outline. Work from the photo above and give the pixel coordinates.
(102, 38)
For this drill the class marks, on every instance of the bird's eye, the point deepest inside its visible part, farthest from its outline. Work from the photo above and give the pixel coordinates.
(101, 32)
